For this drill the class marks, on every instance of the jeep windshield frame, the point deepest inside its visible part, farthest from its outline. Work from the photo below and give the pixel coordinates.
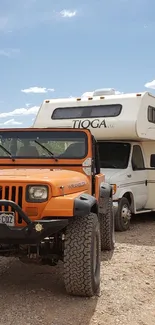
(64, 144)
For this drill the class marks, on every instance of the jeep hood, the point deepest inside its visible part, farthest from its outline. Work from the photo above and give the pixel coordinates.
(71, 181)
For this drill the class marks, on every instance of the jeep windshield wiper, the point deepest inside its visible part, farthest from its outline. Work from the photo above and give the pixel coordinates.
(7, 151)
(50, 152)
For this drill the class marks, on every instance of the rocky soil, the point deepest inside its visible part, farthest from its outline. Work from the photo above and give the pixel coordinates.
(33, 295)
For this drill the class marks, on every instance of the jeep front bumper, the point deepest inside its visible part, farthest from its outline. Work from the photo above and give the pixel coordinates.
(33, 232)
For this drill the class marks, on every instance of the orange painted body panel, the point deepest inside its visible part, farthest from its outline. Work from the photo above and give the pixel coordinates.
(65, 183)
(54, 179)
(61, 206)
(98, 180)
(60, 200)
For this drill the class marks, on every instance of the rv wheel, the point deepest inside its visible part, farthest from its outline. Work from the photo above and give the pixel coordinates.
(123, 215)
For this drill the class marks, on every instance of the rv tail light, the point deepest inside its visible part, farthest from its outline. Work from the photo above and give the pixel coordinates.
(138, 95)
(90, 98)
(114, 189)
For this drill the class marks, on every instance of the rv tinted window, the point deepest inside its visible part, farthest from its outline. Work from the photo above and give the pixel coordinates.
(86, 111)
(151, 114)
(114, 154)
(41, 145)
(137, 158)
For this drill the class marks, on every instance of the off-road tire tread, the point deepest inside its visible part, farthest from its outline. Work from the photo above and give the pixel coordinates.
(77, 256)
(107, 228)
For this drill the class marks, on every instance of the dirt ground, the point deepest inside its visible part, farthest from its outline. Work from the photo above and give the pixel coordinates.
(36, 295)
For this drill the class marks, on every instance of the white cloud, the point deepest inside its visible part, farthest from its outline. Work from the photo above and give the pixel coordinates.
(30, 13)
(150, 84)
(9, 52)
(68, 13)
(21, 111)
(37, 90)
(11, 122)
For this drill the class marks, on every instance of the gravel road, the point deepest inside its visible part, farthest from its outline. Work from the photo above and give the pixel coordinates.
(36, 295)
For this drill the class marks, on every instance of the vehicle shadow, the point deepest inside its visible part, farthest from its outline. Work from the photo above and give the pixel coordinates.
(141, 233)
(107, 255)
(36, 294)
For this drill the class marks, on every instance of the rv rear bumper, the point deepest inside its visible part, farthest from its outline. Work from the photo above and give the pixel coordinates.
(33, 232)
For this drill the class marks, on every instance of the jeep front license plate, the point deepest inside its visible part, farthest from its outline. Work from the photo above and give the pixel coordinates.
(7, 218)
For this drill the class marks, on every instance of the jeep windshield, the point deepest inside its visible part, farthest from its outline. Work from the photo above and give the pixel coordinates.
(114, 154)
(43, 144)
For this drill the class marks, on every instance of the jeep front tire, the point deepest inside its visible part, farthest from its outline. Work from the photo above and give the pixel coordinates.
(82, 256)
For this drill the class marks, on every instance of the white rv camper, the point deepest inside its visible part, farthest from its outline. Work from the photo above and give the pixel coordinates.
(124, 126)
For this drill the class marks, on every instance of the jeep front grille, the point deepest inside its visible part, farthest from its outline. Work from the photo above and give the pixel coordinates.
(13, 193)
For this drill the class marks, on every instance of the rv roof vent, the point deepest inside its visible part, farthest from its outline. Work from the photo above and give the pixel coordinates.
(87, 94)
(104, 92)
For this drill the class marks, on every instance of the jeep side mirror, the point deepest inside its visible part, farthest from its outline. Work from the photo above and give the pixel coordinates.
(152, 160)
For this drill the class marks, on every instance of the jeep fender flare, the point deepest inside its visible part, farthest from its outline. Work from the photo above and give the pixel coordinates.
(84, 204)
(105, 195)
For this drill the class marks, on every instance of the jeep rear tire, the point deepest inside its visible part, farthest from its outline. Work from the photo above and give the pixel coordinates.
(107, 228)
(82, 256)
(123, 215)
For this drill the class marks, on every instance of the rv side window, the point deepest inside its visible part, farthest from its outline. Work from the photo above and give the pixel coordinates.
(151, 114)
(86, 111)
(137, 158)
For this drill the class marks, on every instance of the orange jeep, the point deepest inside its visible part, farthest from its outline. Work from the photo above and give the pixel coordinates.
(54, 204)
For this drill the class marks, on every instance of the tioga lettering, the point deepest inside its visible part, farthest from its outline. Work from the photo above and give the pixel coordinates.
(86, 124)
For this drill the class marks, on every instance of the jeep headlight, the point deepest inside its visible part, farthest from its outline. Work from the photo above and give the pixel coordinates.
(37, 193)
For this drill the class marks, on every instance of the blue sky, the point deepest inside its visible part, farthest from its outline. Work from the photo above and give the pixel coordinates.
(65, 48)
